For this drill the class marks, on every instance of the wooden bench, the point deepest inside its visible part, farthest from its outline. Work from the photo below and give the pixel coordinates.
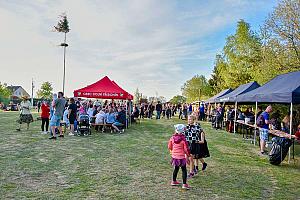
(104, 125)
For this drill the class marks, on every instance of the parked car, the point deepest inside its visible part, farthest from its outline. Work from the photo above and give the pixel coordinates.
(12, 107)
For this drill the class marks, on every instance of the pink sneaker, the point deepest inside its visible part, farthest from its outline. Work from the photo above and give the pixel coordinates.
(175, 183)
(186, 187)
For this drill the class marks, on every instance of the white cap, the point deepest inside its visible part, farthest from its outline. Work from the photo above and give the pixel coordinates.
(179, 128)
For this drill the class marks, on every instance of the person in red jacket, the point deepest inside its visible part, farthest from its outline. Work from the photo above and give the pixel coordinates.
(297, 134)
(179, 150)
(45, 117)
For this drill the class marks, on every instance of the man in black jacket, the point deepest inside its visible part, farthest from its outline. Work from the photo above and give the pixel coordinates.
(158, 110)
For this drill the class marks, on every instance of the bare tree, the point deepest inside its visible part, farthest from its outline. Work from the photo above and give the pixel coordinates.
(283, 25)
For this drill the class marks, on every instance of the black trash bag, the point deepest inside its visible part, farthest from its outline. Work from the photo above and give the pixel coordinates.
(279, 150)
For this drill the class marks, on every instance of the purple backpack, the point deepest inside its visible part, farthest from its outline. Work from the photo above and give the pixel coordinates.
(260, 122)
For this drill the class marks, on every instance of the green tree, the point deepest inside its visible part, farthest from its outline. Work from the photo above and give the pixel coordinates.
(178, 99)
(284, 25)
(46, 91)
(216, 81)
(4, 91)
(137, 96)
(280, 36)
(242, 53)
(248, 56)
(196, 88)
(63, 24)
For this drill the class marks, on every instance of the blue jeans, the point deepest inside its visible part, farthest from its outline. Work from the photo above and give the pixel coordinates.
(158, 114)
(55, 120)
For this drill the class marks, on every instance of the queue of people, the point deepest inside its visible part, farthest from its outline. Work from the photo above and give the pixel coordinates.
(167, 111)
(161, 110)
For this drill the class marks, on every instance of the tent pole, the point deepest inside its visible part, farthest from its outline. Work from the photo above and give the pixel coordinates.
(235, 109)
(130, 111)
(255, 125)
(223, 107)
(126, 114)
(291, 127)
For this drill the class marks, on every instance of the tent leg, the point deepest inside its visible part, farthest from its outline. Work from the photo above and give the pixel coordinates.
(223, 107)
(129, 104)
(291, 127)
(234, 124)
(126, 115)
(255, 126)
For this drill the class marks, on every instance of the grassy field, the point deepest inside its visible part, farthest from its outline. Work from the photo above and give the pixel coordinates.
(134, 165)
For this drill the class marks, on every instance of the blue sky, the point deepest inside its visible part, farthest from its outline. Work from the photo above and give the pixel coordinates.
(150, 44)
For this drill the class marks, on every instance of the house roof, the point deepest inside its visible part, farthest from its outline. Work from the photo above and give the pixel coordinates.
(13, 88)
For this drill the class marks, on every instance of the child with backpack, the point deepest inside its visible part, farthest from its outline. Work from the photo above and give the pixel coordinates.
(179, 150)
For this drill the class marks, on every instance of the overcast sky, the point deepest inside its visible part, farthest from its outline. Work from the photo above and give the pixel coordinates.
(155, 45)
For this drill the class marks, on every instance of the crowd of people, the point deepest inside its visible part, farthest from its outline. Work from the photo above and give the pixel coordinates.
(187, 146)
(266, 120)
(61, 112)
(167, 111)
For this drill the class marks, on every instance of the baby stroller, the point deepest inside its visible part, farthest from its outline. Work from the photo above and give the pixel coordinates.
(84, 127)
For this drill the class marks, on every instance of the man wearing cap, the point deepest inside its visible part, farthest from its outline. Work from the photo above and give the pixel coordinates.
(25, 115)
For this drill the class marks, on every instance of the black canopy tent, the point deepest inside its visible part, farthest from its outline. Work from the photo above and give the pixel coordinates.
(220, 94)
(231, 97)
(284, 88)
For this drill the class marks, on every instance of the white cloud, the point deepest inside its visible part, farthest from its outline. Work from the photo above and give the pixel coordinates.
(141, 43)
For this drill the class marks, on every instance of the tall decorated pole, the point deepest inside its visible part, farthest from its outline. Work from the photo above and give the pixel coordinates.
(32, 87)
(63, 27)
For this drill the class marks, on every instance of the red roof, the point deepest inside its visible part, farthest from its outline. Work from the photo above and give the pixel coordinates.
(103, 89)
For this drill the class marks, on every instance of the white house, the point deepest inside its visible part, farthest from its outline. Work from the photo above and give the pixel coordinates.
(18, 91)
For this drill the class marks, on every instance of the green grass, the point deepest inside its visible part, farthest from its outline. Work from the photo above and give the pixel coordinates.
(133, 166)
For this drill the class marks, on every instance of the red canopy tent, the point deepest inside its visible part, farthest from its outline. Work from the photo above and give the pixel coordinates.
(103, 89)
(130, 97)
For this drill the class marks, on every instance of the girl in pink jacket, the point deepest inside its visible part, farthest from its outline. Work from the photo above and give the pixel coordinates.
(179, 149)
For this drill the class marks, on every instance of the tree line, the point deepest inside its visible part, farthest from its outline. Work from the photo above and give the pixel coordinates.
(253, 56)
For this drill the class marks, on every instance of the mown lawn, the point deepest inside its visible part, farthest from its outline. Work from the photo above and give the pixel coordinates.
(134, 165)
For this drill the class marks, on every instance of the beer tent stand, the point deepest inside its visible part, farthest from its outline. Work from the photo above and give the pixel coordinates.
(232, 96)
(284, 89)
(104, 89)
